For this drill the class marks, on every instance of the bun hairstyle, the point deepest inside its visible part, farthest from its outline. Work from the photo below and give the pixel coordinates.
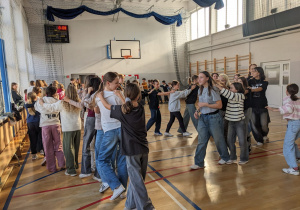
(210, 83)
(31, 97)
(293, 89)
(239, 87)
(132, 91)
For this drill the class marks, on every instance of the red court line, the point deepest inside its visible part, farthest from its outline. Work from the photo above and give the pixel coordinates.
(91, 204)
(95, 202)
(78, 185)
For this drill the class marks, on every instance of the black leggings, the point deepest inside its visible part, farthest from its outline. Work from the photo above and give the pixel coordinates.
(172, 119)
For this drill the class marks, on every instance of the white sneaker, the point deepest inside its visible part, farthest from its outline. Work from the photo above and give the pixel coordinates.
(158, 134)
(266, 139)
(42, 152)
(290, 171)
(67, 174)
(243, 162)
(231, 161)
(186, 134)
(168, 134)
(222, 162)
(298, 160)
(259, 144)
(34, 157)
(84, 175)
(97, 179)
(103, 187)
(117, 192)
(195, 167)
(43, 163)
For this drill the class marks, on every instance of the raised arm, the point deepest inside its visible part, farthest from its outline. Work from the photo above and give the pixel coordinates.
(231, 95)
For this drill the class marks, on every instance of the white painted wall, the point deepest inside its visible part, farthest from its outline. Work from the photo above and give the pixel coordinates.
(86, 52)
(231, 42)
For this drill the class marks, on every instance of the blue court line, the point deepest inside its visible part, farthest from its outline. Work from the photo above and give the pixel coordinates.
(176, 189)
(169, 158)
(16, 182)
(37, 179)
(40, 178)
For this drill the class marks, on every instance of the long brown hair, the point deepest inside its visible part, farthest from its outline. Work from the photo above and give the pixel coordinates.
(293, 89)
(38, 83)
(132, 91)
(31, 97)
(71, 93)
(209, 81)
(45, 84)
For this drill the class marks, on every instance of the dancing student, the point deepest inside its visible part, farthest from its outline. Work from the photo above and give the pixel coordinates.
(174, 107)
(251, 68)
(134, 145)
(61, 91)
(215, 76)
(164, 86)
(209, 122)
(154, 108)
(224, 81)
(70, 126)
(111, 139)
(51, 132)
(247, 108)
(291, 112)
(260, 118)
(236, 118)
(33, 124)
(190, 107)
(32, 85)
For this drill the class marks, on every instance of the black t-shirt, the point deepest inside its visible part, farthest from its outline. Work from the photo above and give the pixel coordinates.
(133, 129)
(192, 97)
(258, 99)
(165, 87)
(247, 101)
(154, 101)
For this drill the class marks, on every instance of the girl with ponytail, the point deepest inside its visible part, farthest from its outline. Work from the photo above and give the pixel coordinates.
(291, 112)
(134, 145)
(33, 124)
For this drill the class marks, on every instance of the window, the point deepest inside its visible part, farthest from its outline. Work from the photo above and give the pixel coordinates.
(200, 23)
(230, 15)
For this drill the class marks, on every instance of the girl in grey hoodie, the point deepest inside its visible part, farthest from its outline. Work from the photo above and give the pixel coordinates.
(174, 107)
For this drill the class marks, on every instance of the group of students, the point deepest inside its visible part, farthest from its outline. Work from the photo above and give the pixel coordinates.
(115, 126)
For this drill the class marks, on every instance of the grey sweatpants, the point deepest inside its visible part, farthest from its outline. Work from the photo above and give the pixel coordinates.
(137, 196)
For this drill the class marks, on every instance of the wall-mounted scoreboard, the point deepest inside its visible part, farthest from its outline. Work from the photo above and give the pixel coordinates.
(57, 33)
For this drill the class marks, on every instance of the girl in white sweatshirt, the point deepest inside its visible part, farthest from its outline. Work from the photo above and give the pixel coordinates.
(50, 124)
(71, 127)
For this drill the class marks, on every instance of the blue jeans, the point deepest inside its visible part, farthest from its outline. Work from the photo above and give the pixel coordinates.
(189, 113)
(110, 142)
(155, 118)
(210, 125)
(237, 128)
(98, 142)
(290, 149)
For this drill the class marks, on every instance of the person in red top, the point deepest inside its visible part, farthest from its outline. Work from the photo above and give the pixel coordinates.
(61, 91)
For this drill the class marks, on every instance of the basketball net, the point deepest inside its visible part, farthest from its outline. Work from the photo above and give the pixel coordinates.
(127, 59)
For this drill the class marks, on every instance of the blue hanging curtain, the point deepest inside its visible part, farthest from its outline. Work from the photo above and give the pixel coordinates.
(73, 13)
(208, 3)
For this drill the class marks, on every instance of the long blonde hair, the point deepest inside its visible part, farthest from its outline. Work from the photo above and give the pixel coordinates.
(227, 82)
(71, 93)
(31, 97)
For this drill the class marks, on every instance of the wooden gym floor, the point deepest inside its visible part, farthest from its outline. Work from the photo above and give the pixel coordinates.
(171, 184)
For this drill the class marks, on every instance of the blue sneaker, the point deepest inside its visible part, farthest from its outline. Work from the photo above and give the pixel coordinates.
(157, 134)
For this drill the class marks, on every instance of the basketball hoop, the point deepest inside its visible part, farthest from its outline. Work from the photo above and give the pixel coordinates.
(127, 57)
